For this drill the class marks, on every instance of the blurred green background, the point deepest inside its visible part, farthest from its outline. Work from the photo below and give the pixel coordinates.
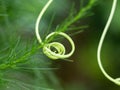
(37, 72)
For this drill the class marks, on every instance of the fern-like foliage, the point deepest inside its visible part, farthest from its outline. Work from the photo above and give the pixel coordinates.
(18, 56)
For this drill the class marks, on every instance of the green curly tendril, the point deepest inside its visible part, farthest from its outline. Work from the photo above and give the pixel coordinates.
(117, 80)
(60, 51)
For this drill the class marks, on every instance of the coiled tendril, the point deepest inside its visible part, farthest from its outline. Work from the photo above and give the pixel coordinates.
(59, 51)
(117, 80)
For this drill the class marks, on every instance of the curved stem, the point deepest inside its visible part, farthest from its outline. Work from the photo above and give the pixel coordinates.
(102, 39)
(39, 19)
(59, 56)
(59, 51)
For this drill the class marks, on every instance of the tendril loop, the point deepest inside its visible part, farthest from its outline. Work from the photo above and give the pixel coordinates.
(53, 50)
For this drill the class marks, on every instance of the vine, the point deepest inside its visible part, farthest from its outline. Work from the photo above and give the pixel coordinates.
(59, 51)
(117, 80)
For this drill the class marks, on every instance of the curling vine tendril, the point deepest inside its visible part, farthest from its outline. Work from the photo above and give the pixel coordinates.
(116, 80)
(60, 51)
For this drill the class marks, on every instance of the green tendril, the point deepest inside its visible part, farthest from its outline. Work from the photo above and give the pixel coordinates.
(117, 80)
(59, 51)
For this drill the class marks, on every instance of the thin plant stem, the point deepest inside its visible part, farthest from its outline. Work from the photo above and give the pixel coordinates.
(59, 51)
(39, 19)
(116, 81)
